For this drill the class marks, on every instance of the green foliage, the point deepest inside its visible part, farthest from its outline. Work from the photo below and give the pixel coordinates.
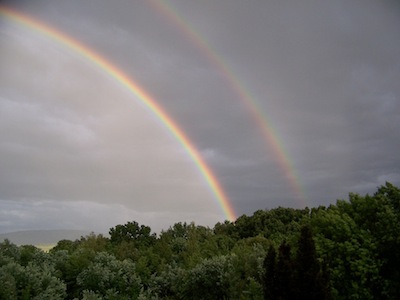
(67, 245)
(247, 259)
(168, 284)
(298, 276)
(107, 276)
(358, 239)
(208, 280)
(345, 251)
(285, 273)
(131, 231)
(270, 286)
(27, 273)
(96, 243)
(8, 249)
(311, 280)
(69, 266)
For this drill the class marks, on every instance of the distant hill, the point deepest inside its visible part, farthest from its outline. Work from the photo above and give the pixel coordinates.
(42, 237)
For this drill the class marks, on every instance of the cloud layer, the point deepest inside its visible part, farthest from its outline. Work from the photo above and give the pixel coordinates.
(324, 75)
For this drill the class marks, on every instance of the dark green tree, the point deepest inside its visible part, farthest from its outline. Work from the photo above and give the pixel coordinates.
(70, 266)
(132, 232)
(285, 274)
(269, 280)
(67, 245)
(311, 282)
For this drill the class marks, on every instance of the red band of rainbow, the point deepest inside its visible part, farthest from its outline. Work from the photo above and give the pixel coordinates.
(135, 89)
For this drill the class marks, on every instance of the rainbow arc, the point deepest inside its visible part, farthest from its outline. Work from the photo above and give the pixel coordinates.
(265, 127)
(131, 85)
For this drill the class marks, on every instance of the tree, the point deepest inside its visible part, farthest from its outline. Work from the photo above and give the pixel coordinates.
(247, 268)
(208, 280)
(270, 280)
(95, 242)
(132, 232)
(70, 266)
(350, 252)
(29, 282)
(67, 245)
(285, 274)
(388, 237)
(378, 218)
(108, 276)
(311, 282)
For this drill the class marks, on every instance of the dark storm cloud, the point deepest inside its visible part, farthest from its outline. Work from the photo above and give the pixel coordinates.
(325, 74)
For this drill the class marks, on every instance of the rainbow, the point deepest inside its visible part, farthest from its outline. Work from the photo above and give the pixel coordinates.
(267, 130)
(99, 61)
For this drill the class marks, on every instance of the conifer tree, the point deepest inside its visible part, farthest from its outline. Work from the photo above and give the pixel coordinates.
(285, 279)
(311, 282)
(270, 291)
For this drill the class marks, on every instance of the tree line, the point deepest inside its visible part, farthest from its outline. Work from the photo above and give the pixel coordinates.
(348, 250)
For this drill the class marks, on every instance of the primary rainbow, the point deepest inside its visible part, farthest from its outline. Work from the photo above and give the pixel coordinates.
(132, 86)
(267, 130)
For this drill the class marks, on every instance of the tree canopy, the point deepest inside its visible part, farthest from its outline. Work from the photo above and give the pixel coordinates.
(348, 250)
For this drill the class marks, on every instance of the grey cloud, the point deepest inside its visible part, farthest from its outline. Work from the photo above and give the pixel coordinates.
(324, 75)
(83, 215)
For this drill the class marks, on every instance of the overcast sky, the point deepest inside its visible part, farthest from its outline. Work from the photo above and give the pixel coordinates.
(79, 151)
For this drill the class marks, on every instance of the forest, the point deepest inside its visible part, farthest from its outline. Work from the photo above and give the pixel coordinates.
(348, 250)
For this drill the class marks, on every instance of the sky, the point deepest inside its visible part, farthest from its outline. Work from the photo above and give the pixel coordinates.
(289, 103)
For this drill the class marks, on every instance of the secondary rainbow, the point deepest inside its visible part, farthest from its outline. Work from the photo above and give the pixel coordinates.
(267, 130)
(132, 86)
